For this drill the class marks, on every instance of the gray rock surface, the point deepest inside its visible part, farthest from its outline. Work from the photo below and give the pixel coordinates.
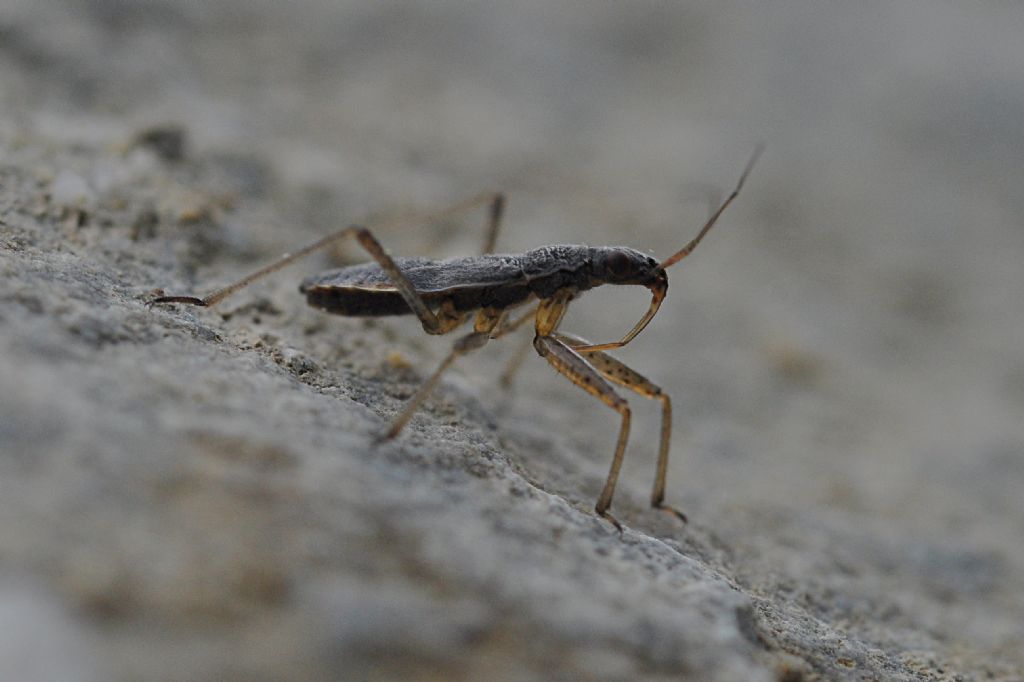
(196, 494)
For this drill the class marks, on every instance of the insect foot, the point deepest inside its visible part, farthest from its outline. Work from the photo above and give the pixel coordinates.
(673, 511)
(606, 515)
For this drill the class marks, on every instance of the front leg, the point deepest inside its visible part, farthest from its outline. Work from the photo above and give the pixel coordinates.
(658, 291)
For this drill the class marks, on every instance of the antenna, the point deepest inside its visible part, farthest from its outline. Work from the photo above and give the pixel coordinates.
(686, 250)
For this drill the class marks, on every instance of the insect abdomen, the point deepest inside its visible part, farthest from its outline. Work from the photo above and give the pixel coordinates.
(355, 302)
(359, 302)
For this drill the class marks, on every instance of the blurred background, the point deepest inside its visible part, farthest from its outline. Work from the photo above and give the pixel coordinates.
(844, 350)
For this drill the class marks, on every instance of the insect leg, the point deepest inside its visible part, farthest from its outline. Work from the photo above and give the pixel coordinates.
(507, 326)
(497, 211)
(574, 367)
(487, 320)
(496, 200)
(521, 351)
(617, 372)
(431, 323)
(658, 292)
(514, 363)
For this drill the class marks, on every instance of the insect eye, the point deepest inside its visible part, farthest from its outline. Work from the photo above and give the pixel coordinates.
(619, 264)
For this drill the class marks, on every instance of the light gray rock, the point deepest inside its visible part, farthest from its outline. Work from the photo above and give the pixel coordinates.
(41, 641)
(198, 493)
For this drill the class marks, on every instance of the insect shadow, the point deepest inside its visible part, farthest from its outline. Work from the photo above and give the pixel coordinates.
(443, 294)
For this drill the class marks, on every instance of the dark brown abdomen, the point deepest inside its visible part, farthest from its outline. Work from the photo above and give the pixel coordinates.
(356, 302)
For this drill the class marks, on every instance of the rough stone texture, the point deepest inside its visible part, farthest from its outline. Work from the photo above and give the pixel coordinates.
(195, 494)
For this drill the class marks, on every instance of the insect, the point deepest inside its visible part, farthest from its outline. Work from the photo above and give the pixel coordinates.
(443, 294)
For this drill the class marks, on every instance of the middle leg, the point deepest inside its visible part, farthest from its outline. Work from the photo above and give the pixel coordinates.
(490, 324)
(487, 321)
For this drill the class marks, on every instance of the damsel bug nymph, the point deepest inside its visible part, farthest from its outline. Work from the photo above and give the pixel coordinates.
(443, 294)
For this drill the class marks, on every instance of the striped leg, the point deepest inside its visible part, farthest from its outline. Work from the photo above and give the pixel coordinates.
(617, 372)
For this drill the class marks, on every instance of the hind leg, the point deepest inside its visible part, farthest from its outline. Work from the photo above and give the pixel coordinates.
(431, 323)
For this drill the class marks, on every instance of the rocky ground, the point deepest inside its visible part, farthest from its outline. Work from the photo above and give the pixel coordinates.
(197, 494)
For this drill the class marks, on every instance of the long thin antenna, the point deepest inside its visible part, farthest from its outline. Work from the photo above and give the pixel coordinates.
(685, 251)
